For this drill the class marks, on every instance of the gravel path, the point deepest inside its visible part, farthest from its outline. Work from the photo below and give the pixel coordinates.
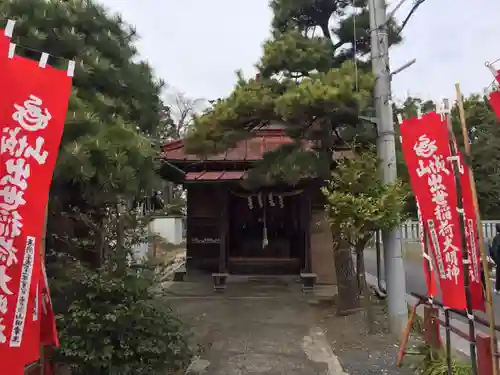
(269, 326)
(360, 352)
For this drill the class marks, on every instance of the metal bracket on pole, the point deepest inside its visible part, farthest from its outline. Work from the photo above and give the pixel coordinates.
(371, 120)
(493, 71)
(387, 132)
(403, 67)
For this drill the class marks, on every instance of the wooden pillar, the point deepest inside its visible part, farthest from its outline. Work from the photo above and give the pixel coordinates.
(224, 225)
(307, 230)
(188, 228)
(431, 327)
(484, 354)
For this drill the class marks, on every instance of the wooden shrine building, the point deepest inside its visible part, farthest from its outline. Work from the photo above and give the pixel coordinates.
(278, 230)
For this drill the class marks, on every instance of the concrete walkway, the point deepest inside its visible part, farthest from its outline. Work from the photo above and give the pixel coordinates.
(267, 325)
(258, 326)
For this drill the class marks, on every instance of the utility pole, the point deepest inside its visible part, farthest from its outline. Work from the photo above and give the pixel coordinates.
(386, 150)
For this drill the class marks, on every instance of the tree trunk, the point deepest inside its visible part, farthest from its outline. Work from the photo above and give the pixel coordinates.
(325, 29)
(100, 245)
(359, 267)
(348, 293)
(120, 252)
(363, 287)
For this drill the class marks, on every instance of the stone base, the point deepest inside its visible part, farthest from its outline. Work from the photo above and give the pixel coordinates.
(180, 274)
(308, 281)
(220, 280)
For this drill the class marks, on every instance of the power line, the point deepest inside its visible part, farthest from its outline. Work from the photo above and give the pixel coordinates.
(412, 11)
(396, 8)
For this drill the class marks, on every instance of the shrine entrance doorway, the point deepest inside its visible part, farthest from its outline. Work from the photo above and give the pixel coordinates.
(266, 232)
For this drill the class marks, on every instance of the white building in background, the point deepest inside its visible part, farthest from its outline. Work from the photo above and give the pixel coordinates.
(170, 228)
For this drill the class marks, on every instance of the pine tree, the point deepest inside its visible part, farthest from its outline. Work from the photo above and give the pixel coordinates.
(107, 157)
(317, 88)
(305, 81)
(115, 110)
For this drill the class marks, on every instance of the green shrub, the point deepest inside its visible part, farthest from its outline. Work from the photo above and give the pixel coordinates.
(113, 321)
(434, 363)
(440, 367)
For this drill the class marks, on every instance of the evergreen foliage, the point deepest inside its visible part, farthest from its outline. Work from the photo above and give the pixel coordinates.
(358, 203)
(113, 320)
(115, 113)
(306, 82)
(314, 77)
(110, 318)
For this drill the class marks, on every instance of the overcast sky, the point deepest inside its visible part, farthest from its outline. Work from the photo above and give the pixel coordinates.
(197, 45)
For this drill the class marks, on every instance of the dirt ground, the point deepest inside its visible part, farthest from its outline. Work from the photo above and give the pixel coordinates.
(361, 352)
(267, 325)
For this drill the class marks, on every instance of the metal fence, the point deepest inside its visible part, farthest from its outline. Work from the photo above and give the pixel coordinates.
(409, 230)
(436, 317)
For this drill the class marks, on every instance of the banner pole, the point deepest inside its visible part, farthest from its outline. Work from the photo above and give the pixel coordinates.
(42, 256)
(427, 262)
(482, 249)
(465, 254)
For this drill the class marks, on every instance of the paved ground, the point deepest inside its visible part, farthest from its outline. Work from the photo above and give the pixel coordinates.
(268, 326)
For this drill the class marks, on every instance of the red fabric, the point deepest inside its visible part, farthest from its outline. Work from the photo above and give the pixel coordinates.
(495, 102)
(49, 367)
(425, 145)
(48, 329)
(4, 45)
(28, 153)
(430, 278)
(475, 283)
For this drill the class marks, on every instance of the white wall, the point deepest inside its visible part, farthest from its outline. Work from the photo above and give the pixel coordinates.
(140, 251)
(170, 228)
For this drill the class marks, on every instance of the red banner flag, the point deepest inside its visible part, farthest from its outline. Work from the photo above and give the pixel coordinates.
(48, 329)
(494, 97)
(494, 72)
(426, 149)
(430, 278)
(33, 112)
(470, 221)
(4, 44)
(494, 100)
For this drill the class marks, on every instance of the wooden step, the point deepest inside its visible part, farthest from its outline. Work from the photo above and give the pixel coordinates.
(264, 266)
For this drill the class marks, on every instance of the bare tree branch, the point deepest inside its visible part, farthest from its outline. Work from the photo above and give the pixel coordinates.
(183, 109)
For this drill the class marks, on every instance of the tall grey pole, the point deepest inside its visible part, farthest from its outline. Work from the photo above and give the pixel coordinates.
(386, 149)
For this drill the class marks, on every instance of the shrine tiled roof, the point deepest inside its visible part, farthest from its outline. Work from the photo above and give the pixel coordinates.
(247, 150)
(214, 176)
